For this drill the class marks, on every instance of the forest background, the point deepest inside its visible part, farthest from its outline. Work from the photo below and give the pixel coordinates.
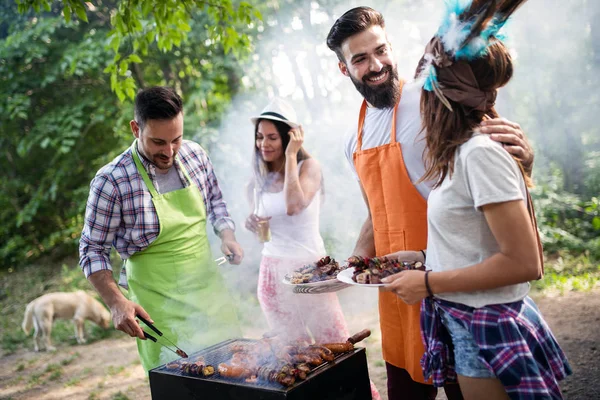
(70, 69)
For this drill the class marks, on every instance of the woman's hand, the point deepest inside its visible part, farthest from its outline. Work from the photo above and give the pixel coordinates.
(296, 141)
(408, 285)
(252, 222)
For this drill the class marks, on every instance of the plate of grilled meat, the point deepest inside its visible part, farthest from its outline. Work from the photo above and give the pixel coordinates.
(318, 277)
(365, 271)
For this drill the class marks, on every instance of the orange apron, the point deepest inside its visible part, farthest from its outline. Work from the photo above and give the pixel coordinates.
(399, 215)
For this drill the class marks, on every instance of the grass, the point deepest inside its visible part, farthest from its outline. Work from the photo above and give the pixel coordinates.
(35, 378)
(567, 273)
(70, 359)
(55, 370)
(93, 395)
(22, 285)
(73, 381)
(112, 370)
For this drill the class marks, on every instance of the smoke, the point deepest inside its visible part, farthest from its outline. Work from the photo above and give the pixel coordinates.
(292, 61)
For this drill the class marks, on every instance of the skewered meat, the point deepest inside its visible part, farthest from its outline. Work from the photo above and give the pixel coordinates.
(172, 365)
(181, 353)
(372, 270)
(323, 270)
(360, 336)
(274, 360)
(337, 348)
(196, 367)
(234, 371)
(322, 352)
(208, 370)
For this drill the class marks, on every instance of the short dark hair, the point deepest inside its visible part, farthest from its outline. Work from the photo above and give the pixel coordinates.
(353, 21)
(158, 102)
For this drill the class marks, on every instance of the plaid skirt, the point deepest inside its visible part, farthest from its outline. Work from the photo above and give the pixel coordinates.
(514, 343)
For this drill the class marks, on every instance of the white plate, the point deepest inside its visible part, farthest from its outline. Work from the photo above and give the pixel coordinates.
(331, 285)
(346, 277)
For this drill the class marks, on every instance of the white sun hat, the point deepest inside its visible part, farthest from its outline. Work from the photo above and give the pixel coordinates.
(278, 110)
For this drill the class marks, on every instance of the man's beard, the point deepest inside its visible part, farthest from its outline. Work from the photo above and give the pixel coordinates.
(384, 95)
(157, 159)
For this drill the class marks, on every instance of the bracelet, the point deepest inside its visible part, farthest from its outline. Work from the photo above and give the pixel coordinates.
(424, 255)
(429, 292)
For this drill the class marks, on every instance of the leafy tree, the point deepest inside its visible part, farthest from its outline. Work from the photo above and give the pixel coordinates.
(60, 121)
(137, 25)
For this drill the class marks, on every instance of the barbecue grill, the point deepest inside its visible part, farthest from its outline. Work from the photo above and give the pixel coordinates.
(346, 377)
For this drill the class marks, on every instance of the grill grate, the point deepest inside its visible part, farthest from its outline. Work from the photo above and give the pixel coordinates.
(222, 352)
(344, 378)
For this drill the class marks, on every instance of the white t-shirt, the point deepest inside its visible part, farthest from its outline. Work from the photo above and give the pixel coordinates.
(458, 233)
(292, 236)
(409, 133)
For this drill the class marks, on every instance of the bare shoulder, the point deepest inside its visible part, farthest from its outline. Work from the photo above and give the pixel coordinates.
(310, 166)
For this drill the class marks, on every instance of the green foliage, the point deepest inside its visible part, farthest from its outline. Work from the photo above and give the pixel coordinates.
(59, 120)
(120, 396)
(569, 274)
(568, 223)
(138, 25)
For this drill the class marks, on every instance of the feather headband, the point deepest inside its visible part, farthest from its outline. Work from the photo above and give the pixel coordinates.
(467, 30)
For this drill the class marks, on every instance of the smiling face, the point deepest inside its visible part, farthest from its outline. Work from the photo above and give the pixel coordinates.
(369, 64)
(160, 140)
(268, 141)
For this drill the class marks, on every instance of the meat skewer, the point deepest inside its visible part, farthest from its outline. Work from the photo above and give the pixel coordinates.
(272, 359)
(338, 348)
(234, 371)
(197, 367)
(360, 336)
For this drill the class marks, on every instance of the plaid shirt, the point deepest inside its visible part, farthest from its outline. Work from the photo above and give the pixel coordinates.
(514, 343)
(120, 211)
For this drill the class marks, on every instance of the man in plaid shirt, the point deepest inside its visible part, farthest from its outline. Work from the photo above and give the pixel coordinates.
(151, 203)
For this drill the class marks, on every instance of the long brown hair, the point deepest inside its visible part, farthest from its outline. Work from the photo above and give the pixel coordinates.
(447, 130)
(263, 172)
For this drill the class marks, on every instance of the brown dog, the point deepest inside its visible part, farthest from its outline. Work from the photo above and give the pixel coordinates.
(78, 306)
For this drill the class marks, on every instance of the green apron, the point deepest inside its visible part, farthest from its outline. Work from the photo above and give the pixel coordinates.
(175, 278)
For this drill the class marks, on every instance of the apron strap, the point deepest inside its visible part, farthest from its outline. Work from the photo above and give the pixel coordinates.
(361, 120)
(540, 248)
(531, 210)
(142, 170)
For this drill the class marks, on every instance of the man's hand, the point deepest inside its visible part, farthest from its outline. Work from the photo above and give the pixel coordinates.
(230, 247)
(122, 310)
(408, 285)
(406, 256)
(512, 138)
(123, 315)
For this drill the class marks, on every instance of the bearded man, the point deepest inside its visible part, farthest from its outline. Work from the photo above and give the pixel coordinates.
(385, 154)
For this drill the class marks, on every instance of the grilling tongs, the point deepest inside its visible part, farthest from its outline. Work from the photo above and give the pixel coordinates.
(179, 352)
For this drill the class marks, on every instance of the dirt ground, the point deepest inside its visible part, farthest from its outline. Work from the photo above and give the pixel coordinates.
(109, 369)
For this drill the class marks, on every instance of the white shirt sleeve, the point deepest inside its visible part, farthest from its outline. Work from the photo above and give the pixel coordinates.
(349, 149)
(492, 175)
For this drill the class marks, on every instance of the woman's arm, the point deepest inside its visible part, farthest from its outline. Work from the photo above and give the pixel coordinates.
(299, 188)
(516, 262)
